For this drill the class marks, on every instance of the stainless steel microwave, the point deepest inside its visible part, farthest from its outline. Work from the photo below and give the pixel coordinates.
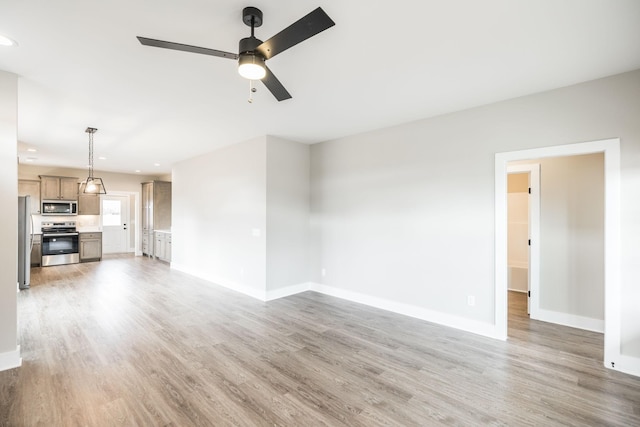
(59, 207)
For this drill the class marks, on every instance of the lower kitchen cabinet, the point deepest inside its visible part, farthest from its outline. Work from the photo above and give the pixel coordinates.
(36, 251)
(162, 247)
(90, 247)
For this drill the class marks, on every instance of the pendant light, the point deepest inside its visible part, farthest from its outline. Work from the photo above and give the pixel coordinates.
(92, 185)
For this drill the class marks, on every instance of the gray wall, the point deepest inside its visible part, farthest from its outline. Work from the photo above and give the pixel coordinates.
(8, 218)
(288, 199)
(572, 235)
(407, 213)
(219, 216)
(241, 215)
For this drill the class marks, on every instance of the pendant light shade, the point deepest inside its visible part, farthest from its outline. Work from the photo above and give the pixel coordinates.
(251, 66)
(92, 185)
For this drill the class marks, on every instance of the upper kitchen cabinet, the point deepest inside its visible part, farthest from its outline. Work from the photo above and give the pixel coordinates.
(58, 188)
(31, 187)
(88, 204)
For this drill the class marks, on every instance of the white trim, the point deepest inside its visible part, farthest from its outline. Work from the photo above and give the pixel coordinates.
(571, 320)
(220, 281)
(468, 325)
(626, 364)
(612, 330)
(287, 291)
(10, 359)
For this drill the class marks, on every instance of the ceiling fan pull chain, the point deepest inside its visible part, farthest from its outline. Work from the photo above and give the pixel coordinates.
(251, 90)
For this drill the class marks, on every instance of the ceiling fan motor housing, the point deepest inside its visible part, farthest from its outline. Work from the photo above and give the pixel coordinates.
(248, 45)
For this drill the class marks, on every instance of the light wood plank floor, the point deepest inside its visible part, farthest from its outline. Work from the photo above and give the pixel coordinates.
(128, 342)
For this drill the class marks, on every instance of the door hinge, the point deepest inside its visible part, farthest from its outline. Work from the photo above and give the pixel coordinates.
(529, 190)
(529, 294)
(529, 242)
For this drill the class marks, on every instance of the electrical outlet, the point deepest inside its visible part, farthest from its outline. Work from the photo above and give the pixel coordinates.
(471, 300)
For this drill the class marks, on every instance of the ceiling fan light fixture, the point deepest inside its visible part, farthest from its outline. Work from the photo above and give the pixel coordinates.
(251, 66)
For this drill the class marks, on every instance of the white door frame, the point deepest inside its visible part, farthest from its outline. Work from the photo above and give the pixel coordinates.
(533, 169)
(613, 305)
(133, 222)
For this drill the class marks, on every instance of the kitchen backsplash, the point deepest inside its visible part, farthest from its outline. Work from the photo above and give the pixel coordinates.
(82, 221)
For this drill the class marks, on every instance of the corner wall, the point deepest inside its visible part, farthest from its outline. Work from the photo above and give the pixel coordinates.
(219, 216)
(241, 217)
(288, 198)
(405, 215)
(9, 348)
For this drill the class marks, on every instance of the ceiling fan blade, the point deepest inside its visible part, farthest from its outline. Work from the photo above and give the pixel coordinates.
(308, 26)
(186, 48)
(275, 87)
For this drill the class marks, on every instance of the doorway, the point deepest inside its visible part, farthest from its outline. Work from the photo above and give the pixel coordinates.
(115, 224)
(611, 149)
(523, 261)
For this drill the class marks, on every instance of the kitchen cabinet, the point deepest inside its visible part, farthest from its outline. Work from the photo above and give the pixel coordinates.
(36, 251)
(162, 247)
(31, 187)
(90, 247)
(88, 204)
(156, 212)
(58, 188)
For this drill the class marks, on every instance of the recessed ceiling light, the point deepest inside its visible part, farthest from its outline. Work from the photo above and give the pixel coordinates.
(102, 158)
(6, 41)
(31, 150)
(156, 164)
(138, 171)
(31, 159)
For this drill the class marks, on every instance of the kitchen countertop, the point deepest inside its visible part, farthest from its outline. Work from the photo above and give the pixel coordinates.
(88, 230)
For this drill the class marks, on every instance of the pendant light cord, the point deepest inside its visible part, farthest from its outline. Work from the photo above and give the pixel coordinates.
(91, 131)
(91, 154)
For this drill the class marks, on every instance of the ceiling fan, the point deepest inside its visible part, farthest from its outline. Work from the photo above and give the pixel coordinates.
(254, 52)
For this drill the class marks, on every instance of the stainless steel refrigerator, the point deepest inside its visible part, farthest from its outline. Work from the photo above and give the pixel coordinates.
(25, 241)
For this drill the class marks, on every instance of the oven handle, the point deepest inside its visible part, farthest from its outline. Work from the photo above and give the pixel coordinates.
(59, 234)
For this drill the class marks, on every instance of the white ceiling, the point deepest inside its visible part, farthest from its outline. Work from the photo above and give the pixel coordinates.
(384, 63)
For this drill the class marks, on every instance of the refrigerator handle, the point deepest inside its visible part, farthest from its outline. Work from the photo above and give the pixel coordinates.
(31, 217)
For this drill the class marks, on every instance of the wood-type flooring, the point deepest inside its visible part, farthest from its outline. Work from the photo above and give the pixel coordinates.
(130, 342)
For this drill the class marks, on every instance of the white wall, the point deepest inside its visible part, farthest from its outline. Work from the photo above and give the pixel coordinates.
(219, 216)
(406, 214)
(288, 198)
(9, 349)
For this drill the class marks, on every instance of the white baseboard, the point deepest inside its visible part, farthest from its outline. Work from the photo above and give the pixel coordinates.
(457, 322)
(10, 359)
(287, 291)
(225, 283)
(571, 320)
(627, 364)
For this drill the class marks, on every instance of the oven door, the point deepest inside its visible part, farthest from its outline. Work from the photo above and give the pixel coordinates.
(59, 248)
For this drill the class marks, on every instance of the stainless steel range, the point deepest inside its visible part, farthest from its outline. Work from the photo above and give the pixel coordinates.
(59, 243)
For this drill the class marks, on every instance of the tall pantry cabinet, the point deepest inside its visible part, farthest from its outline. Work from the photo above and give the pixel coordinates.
(156, 212)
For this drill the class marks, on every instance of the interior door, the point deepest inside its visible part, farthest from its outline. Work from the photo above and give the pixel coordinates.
(115, 224)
